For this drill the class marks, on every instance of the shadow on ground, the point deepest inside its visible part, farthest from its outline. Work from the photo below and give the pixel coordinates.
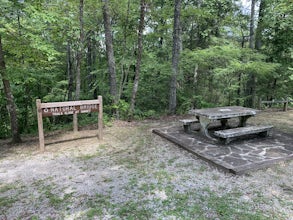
(238, 157)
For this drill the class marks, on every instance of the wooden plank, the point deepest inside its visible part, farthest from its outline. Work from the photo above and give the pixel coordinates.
(69, 110)
(40, 126)
(70, 103)
(100, 118)
(75, 123)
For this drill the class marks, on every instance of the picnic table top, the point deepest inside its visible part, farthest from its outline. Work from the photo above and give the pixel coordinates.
(224, 112)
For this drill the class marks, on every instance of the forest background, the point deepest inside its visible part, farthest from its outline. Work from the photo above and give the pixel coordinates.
(145, 57)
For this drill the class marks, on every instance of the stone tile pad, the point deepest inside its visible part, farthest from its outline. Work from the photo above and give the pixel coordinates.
(240, 156)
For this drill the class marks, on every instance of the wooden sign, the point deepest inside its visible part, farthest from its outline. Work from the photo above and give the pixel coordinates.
(68, 108)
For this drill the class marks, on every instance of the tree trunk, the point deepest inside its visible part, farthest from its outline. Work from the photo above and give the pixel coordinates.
(251, 26)
(175, 57)
(78, 60)
(124, 67)
(90, 60)
(11, 107)
(110, 51)
(80, 51)
(139, 55)
(260, 25)
(69, 73)
(251, 83)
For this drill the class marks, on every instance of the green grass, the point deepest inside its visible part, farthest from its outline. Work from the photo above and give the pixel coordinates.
(133, 210)
(202, 204)
(6, 202)
(47, 192)
(6, 188)
(98, 206)
(199, 203)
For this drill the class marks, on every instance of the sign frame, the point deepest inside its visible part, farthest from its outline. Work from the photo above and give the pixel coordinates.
(68, 108)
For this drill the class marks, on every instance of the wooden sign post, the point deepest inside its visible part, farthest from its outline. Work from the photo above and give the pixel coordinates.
(68, 108)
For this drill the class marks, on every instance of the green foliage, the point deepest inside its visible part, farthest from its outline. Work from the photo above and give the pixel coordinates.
(215, 66)
(218, 75)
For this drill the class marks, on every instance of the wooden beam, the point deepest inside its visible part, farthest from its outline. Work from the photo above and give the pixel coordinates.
(100, 118)
(40, 125)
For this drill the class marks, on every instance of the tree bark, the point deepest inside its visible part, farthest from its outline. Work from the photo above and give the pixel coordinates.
(175, 57)
(11, 107)
(79, 60)
(124, 67)
(259, 29)
(80, 51)
(69, 73)
(110, 51)
(251, 26)
(139, 55)
(251, 83)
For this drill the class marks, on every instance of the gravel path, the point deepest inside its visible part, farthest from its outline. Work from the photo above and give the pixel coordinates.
(134, 174)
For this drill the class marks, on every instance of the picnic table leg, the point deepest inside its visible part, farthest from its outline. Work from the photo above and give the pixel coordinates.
(224, 123)
(242, 120)
(204, 125)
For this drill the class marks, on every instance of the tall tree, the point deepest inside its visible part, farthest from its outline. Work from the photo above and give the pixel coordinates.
(260, 25)
(11, 107)
(251, 25)
(175, 57)
(139, 55)
(251, 83)
(80, 50)
(79, 59)
(70, 74)
(110, 51)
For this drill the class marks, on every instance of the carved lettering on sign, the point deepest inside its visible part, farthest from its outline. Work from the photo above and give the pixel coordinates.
(69, 110)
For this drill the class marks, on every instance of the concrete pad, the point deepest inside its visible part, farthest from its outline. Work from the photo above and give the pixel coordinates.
(238, 157)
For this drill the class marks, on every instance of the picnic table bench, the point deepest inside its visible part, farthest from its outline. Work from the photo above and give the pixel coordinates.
(228, 135)
(187, 124)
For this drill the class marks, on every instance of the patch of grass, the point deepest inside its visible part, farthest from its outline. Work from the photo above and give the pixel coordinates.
(88, 156)
(133, 210)
(98, 153)
(104, 146)
(205, 204)
(54, 199)
(94, 212)
(183, 165)
(162, 165)
(202, 168)
(199, 204)
(228, 206)
(6, 188)
(172, 160)
(130, 162)
(162, 175)
(147, 187)
(98, 206)
(6, 202)
(182, 206)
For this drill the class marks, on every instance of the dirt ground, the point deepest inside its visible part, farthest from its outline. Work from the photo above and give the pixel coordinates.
(135, 174)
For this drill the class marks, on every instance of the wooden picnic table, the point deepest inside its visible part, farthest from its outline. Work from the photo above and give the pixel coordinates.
(208, 115)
